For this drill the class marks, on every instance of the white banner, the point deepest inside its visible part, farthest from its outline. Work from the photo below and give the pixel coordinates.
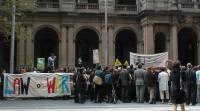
(95, 56)
(37, 84)
(150, 60)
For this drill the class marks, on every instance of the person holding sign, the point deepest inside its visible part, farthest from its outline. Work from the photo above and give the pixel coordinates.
(51, 63)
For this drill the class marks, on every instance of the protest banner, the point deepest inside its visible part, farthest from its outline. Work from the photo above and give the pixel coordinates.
(95, 56)
(149, 60)
(37, 84)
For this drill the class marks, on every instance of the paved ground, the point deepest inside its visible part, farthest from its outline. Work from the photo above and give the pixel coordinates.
(69, 105)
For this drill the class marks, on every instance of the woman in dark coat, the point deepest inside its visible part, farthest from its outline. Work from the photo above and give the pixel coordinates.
(177, 97)
(80, 86)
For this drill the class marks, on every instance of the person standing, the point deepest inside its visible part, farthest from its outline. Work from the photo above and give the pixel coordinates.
(150, 79)
(98, 87)
(132, 93)
(80, 86)
(176, 93)
(124, 78)
(51, 63)
(163, 79)
(108, 84)
(139, 76)
(190, 85)
(198, 84)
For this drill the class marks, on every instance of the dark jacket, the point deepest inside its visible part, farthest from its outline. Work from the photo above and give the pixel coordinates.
(190, 76)
(80, 82)
(124, 77)
(150, 79)
(175, 92)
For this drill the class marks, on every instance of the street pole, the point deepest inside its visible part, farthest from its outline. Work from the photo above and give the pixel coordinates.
(12, 48)
(106, 34)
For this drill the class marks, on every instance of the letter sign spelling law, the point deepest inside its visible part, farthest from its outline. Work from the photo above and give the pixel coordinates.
(37, 84)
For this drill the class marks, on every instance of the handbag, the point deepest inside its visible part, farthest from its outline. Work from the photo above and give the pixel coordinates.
(97, 80)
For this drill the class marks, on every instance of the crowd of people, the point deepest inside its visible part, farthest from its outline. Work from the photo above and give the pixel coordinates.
(174, 84)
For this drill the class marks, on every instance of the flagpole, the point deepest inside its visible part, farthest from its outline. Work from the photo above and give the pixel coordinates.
(106, 34)
(12, 48)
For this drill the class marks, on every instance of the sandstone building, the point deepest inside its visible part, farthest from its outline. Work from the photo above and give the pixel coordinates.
(73, 28)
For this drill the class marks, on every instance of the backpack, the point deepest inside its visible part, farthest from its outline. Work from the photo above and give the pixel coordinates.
(97, 80)
(108, 79)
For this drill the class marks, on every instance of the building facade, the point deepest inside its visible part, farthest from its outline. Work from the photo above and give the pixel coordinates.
(73, 28)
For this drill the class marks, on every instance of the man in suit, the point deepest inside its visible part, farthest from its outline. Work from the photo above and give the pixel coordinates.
(124, 80)
(139, 76)
(190, 85)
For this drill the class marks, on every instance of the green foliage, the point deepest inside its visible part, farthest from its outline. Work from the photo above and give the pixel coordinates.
(6, 10)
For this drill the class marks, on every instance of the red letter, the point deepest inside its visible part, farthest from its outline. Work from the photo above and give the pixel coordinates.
(16, 84)
(51, 85)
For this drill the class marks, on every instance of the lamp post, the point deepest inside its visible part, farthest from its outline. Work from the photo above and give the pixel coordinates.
(12, 48)
(106, 34)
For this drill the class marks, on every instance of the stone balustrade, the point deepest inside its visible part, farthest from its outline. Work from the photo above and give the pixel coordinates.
(47, 4)
(126, 7)
(141, 5)
(87, 6)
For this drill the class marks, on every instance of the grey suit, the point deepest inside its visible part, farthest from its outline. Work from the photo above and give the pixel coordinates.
(124, 79)
(139, 76)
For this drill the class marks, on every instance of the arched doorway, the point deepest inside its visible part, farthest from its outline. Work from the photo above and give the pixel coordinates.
(126, 42)
(160, 42)
(86, 41)
(46, 42)
(5, 45)
(187, 46)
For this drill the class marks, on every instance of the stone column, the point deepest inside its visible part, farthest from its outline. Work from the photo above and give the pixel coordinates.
(21, 48)
(63, 48)
(174, 42)
(111, 49)
(71, 46)
(144, 38)
(29, 47)
(148, 39)
(140, 48)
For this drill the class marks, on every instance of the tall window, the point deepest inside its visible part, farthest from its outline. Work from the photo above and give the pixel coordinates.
(160, 42)
(126, 2)
(86, 1)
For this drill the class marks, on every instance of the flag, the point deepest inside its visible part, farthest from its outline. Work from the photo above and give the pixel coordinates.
(126, 63)
(117, 62)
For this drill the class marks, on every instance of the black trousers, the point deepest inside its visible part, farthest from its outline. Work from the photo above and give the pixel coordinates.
(190, 92)
(98, 93)
(124, 93)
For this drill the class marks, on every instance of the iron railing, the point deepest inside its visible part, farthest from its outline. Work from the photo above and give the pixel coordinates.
(126, 7)
(47, 4)
(187, 4)
(87, 6)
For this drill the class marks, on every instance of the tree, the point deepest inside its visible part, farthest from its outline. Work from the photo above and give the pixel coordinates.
(22, 8)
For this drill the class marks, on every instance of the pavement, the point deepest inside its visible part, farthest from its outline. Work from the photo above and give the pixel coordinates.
(16, 104)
